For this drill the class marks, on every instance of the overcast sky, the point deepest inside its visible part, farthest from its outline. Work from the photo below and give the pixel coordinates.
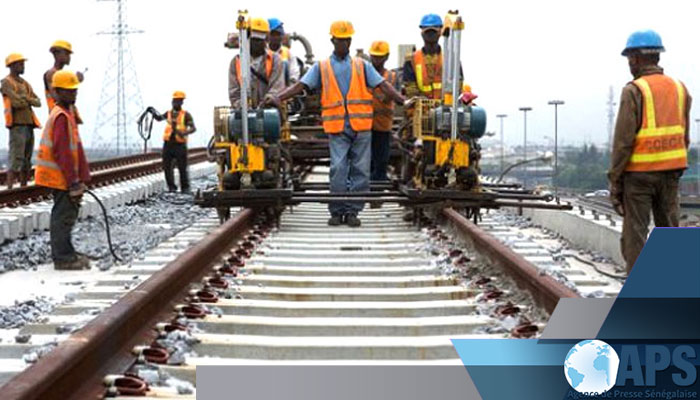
(515, 53)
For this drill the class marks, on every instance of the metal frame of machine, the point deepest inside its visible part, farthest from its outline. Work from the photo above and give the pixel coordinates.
(261, 164)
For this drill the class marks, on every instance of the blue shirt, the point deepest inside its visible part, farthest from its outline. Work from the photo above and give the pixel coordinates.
(342, 69)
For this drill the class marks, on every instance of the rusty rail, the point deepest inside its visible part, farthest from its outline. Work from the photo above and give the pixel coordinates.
(75, 369)
(103, 172)
(545, 290)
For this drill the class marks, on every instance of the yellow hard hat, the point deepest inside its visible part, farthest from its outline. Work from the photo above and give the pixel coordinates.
(342, 29)
(13, 58)
(379, 48)
(259, 25)
(64, 79)
(466, 88)
(178, 94)
(62, 44)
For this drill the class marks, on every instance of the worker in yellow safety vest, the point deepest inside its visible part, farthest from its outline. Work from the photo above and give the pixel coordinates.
(180, 125)
(266, 74)
(62, 52)
(650, 145)
(347, 115)
(62, 167)
(18, 100)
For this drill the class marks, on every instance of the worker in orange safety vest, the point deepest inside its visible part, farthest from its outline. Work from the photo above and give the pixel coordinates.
(347, 115)
(650, 145)
(62, 166)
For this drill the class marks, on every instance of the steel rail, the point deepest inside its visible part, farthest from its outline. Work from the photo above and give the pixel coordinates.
(106, 172)
(76, 367)
(546, 290)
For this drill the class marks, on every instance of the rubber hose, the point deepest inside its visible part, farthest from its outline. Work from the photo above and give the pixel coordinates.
(104, 213)
(598, 270)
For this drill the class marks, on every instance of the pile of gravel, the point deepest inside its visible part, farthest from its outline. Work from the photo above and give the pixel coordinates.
(135, 228)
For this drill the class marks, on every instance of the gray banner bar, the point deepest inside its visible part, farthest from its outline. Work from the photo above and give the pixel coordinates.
(335, 382)
(577, 318)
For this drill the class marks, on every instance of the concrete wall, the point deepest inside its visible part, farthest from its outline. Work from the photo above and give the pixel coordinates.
(582, 230)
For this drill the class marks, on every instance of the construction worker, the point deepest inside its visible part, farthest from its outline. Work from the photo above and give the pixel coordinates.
(180, 124)
(62, 166)
(467, 97)
(18, 100)
(266, 69)
(346, 101)
(291, 67)
(383, 114)
(422, 73)
(61, 51)
(650, 145)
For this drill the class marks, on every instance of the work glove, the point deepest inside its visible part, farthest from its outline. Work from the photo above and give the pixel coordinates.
(76, 191)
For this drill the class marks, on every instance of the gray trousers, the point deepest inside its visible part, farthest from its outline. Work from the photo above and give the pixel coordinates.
(63, 216)
(647, 193)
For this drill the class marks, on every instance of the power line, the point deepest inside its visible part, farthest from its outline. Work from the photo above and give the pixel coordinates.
(120, 100)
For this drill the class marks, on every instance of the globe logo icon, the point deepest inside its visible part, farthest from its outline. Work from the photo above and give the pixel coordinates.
(591, 366)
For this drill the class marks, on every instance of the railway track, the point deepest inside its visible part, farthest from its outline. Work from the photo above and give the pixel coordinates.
(249, 292)
(104, 172)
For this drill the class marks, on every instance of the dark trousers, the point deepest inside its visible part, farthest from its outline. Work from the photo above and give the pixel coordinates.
(646, 193)
(63, 216)
(381, 145)
(175, 152)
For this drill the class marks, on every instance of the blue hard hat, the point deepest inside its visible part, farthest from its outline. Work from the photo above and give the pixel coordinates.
(431, 21)
(644, 40)
(275, 25)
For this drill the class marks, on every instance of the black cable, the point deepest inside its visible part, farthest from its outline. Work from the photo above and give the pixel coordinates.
(145, 123)
(600, 271)
(104, 212)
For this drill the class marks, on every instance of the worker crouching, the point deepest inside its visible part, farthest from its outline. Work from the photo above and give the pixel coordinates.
(62, 166)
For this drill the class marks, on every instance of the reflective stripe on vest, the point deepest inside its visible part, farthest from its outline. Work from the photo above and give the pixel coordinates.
(357, 103)
(268, 67)
(50, 100)
(429, 81)
(179, 124)
(47, 172)
(284, 53)
(660, 143)
(7, 104)
(383, 106)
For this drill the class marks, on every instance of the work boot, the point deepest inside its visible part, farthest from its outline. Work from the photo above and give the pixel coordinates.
(375, 204)
(80, 262)
(352, 220)
(408, 217)
(335, 220)
(10, 178)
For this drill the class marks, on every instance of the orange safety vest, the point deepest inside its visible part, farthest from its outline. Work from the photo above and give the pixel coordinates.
(357, 103)
(179, 124)
(660, 143)
(268, 66)
(7, 103)
(428, 80)
(51, 102)
(383, 106)
(47, 172)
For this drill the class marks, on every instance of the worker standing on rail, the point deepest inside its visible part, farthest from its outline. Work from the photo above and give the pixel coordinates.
(291, 67)
(422, 73)
(18, 100)
(62, 166)
(383, 113)
(180, 124)
(61, 51)
(266, 68)
(650, 145)
(346, 102)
